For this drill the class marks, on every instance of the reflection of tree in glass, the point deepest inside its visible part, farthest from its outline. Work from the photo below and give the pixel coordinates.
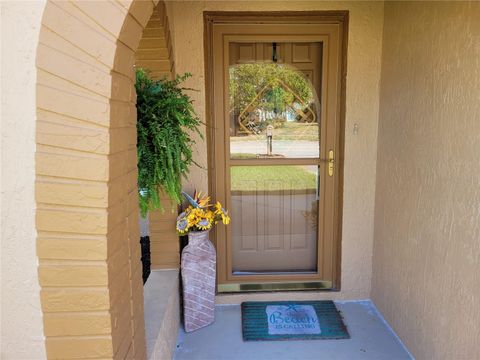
(246, 80)
(312, 215)
(268, 93)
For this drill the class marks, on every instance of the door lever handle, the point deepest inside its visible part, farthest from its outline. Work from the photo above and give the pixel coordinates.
(331, 162)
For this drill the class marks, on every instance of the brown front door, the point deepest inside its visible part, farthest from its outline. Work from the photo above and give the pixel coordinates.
(276, 134)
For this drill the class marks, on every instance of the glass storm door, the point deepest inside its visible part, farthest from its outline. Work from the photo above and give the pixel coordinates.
(274, 155)
(274, 115)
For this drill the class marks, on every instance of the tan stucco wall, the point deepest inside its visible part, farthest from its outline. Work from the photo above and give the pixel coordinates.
(21, 316)
(363, 76)
(426, 254)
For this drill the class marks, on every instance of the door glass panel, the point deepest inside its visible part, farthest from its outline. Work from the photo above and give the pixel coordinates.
(274, 111)
(274, 218)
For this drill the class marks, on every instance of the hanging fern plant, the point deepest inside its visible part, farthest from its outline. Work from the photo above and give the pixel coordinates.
(165, 122)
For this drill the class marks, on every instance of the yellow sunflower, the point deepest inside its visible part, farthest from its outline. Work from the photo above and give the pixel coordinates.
(225, 218)
(204, 224)
(192, 219)
(218, 208)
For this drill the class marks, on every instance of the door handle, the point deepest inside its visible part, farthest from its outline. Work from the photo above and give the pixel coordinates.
(330, 161)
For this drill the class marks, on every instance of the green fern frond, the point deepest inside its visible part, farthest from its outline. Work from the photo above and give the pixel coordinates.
(165, 121)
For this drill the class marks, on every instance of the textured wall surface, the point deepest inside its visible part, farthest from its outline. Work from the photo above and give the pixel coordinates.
(427, 219)
(363, 77)
(21, 316)
(164, 241)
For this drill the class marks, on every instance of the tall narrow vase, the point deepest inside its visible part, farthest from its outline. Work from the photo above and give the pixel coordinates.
(198, 278)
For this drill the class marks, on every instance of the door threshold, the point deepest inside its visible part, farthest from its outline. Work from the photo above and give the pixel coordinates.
(274, 286)
(299, 272)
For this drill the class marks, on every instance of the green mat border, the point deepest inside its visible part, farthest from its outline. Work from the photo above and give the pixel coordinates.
(336, 322)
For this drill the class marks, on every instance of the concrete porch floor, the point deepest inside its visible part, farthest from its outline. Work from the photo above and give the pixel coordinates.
(371, 338)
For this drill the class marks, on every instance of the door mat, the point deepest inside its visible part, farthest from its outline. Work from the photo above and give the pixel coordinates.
(292, 320)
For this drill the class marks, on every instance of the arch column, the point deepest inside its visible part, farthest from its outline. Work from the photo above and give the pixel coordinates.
(86, 179)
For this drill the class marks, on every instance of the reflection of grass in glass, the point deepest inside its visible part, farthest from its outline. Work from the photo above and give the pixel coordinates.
(290, 131)
(297, 131)
(272, 178)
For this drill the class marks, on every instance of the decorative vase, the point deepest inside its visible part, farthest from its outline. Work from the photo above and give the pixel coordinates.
(198, 279)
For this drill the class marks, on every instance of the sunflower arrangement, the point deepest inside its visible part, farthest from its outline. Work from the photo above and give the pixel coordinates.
(200, 215)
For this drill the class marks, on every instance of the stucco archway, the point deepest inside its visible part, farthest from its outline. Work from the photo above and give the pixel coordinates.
(86, 178)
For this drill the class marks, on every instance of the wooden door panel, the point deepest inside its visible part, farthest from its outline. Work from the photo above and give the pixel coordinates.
(275, 228)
